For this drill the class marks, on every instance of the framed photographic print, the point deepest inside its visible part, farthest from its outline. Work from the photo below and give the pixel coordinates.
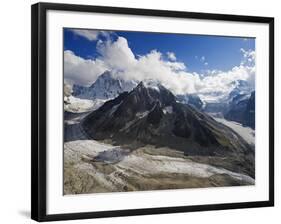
(138, 111)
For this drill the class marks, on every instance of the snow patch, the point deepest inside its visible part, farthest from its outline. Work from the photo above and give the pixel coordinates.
(168, 110)
(142, 114)
(77, 105)
(245, 132)
(149, 164)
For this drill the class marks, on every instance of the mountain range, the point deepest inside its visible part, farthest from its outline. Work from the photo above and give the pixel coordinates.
(191, 99)
(105, 87)
(236, 106)
(151, 114)
(242, 110)
(108, 87)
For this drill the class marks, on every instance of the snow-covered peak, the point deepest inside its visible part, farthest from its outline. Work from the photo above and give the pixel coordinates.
(242, 87)
(105, 78)
(105, 87)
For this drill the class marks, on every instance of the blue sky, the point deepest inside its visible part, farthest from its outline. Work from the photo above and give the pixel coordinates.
(205, 65)
(197, 52)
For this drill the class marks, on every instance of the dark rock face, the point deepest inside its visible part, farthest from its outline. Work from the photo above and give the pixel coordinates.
(190, 122)
(142, 116)
(131, 107)
(242, 110)
(155, 115)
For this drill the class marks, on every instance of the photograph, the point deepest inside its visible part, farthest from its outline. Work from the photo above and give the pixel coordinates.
(150, 111)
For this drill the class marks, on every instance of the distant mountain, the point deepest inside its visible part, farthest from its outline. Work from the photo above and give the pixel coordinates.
(236, 110)
(242, 87)
(151, 115)
(250, 112)
(108, 87)
(242, 110)
(191, 99)
(216, 109)
(105, 87)
(234, 105)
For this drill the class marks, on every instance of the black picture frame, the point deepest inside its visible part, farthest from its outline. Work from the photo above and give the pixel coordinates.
(39, 122)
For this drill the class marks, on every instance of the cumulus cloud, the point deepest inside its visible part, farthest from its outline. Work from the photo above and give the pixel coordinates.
(249, 61)
(219, 84)
(81, 71)
(91, 35)
(171, 56)
(117, 57)
(116, 54)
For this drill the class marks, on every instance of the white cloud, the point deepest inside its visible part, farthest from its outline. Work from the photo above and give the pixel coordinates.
(249, 61)
(81, 71)
(91, 35)
(222, 82)
(171, 56)
(117, 57)
(202, 59)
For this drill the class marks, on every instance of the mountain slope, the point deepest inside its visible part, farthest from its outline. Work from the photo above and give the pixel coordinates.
(242, 110)
(104, 88)
(153, 116)
(241, 91)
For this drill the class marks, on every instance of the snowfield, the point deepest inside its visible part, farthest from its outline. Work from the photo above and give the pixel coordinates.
(149, 164)
(91, 166)
(245, 132)
(77, 105)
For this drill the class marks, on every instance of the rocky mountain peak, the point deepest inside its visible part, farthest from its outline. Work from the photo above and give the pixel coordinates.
(106, 87)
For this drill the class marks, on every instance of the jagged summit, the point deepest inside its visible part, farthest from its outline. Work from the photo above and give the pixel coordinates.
(105, 87)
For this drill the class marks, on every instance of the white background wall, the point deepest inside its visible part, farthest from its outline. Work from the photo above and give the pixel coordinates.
(15, 110)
